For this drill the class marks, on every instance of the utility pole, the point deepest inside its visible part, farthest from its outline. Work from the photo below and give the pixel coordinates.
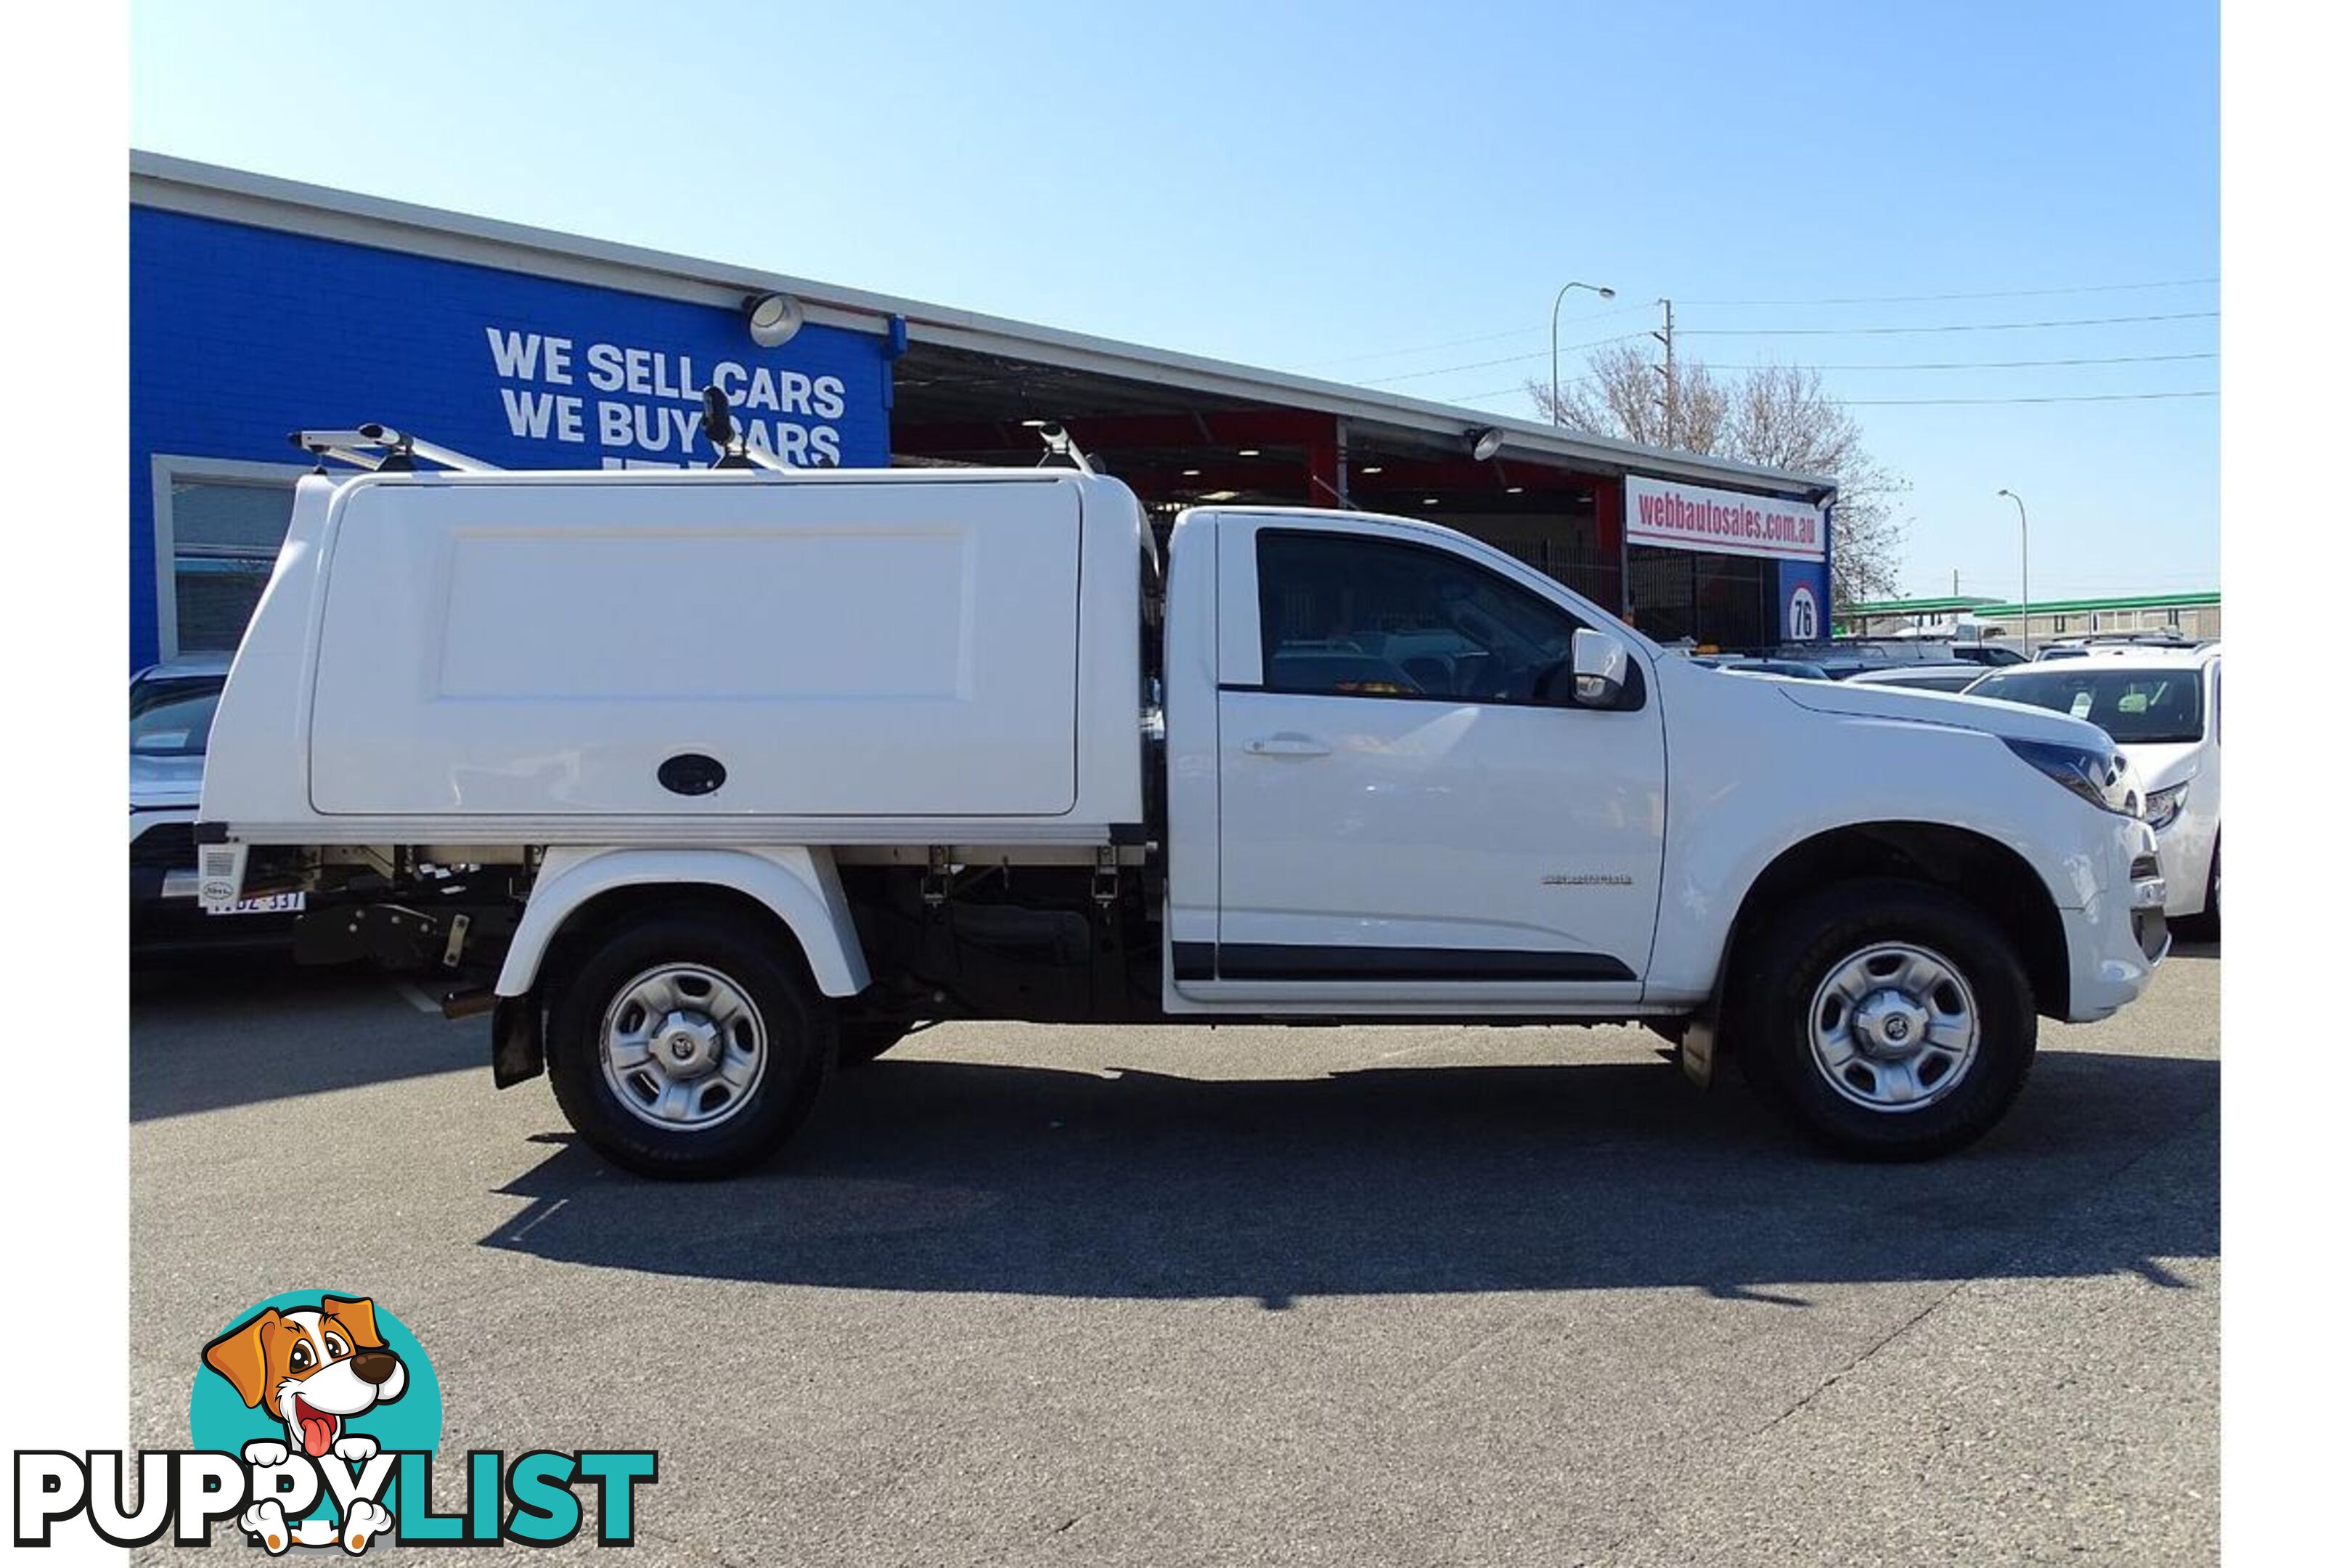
(1955, 582)
(1667, 338)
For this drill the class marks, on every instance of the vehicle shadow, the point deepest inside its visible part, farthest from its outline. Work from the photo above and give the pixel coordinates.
(949, 1177)
(236, 1027)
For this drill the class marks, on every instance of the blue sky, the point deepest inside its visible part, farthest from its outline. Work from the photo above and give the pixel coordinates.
(1380, 193)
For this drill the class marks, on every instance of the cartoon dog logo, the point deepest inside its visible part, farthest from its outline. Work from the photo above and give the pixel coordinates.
(314, 1369)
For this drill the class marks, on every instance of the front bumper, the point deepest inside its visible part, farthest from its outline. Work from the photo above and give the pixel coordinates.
(2186, 849)
(2115, 940)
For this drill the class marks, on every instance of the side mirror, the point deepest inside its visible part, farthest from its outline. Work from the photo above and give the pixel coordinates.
(1600, 664)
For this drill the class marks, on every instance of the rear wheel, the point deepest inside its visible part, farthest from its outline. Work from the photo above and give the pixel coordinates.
(682, 1047)
(1890, 1019)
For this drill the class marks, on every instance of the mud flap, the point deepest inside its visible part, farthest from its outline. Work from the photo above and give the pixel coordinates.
(1695, 1051)
(516, 1052)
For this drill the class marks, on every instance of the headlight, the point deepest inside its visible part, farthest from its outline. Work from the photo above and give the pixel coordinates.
(2098, 776)
(2164, 805)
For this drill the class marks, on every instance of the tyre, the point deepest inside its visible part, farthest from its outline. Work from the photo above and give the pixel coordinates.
(683, 1047)
(2205, 925)
(1889, 1019)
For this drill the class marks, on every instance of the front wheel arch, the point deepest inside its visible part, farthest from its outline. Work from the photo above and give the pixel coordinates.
(1970, 866)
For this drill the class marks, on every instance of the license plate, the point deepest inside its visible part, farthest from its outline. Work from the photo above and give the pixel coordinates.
(273, 904)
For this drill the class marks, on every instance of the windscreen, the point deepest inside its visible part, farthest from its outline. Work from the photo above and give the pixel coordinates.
(2133, 706)
(173, 716)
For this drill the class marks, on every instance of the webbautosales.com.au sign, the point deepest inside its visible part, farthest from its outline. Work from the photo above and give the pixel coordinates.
(1690, 517)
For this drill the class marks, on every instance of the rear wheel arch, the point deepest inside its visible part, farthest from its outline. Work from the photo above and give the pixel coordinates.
(793, 895)
(596, 920)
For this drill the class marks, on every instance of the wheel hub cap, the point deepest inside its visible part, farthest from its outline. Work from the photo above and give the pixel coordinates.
(1894, 1026)
(684, 1048)
(688, 1043)
(1890, 1025)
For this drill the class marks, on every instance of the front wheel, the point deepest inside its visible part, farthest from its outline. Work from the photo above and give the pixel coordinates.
(681, 1047)
(1890, 1019)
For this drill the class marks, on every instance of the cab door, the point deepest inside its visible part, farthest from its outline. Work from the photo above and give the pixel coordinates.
(1410, 812)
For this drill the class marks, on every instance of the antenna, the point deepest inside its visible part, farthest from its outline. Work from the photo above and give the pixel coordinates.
(1336, 494)
(734, 452)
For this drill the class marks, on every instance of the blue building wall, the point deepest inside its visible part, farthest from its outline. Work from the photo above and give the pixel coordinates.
(240, 334)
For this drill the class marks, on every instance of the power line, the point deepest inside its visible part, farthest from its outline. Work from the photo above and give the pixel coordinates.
(1481, 338)
(1511, 359)
(2068, 397)
(1922, 364)
(1844, 299)
(1944, 327)
(1982, 364)
(1913, 402)
(1992, 294)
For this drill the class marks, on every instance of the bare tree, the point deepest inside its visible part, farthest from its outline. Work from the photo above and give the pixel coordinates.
(1621, 394)
(1779, 416)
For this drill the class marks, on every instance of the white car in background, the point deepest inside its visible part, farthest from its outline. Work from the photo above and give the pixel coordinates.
(171, 706)
(2162, 708)
(1921, 677)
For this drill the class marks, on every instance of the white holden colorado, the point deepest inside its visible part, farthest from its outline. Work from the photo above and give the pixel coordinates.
(714, 782)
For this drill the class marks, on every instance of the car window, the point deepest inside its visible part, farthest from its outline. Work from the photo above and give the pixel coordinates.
(173, 716)
(1342, 614)
(2133, 706)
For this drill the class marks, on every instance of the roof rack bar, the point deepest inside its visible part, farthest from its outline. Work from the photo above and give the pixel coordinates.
(367, 460)
(400, 450)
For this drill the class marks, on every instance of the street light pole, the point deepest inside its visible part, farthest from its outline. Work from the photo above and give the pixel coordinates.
(2024, 577)
(1605, 293)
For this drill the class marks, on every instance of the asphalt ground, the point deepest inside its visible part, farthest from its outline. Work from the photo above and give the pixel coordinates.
(1410, 1295)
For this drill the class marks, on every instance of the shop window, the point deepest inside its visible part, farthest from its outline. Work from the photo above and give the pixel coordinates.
(2057, 625)
(217, 529)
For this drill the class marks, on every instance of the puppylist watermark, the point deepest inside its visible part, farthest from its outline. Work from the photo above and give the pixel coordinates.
(315, 1422)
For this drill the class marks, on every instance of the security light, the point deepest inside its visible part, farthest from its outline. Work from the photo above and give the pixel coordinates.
(1484, 443)
(772, 318)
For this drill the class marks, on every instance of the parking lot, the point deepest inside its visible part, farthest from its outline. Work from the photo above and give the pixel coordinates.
(1410, 1295)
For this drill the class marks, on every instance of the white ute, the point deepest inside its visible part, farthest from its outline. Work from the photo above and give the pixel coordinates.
(710, 781)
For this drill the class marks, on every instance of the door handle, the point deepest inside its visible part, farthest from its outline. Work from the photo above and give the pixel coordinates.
(1286, 744)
